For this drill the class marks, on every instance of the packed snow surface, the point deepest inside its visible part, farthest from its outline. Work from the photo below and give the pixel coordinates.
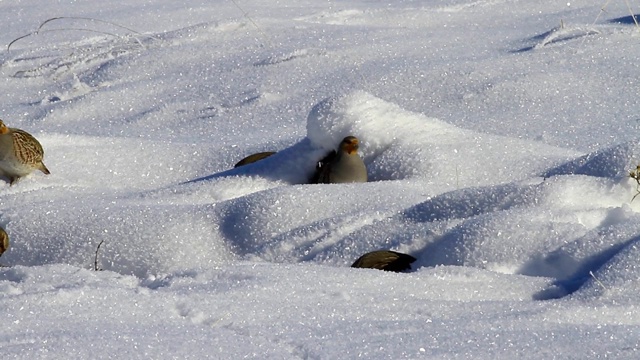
(498, 138)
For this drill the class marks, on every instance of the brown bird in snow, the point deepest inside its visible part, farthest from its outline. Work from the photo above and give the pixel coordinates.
(343, 166)
(386, 260)
(4, 241)
(20, 154)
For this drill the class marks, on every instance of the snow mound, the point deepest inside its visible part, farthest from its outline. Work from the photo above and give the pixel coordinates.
(612, 162)
(136, 238)
(561, 227)
(447, 195)
(309, 222)
(399, 144)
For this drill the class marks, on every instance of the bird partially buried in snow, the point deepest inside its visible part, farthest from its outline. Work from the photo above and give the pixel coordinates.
(342, 166)
(20, 154)
(254, 158)
(4, 241)
(386, 260)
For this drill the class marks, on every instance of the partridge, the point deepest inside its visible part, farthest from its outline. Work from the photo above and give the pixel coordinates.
(20, 154)
(4, 241)
(386, 260)
(253, 158)
(342, 166)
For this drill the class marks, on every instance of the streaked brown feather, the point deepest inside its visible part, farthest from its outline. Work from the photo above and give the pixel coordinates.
(27, 149)
(4, 241)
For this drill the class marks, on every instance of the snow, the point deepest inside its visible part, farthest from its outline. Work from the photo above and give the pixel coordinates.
(498, 138)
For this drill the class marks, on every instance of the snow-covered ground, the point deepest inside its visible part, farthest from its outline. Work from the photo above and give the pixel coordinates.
(498, 136)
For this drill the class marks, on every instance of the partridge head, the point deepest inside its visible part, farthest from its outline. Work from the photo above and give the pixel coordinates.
(342, 166)
(20, 154)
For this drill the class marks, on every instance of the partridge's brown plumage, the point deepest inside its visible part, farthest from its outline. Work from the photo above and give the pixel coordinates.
(342, 166)
(20, 154)
(386, 260)
(4, 241)
(253, 158)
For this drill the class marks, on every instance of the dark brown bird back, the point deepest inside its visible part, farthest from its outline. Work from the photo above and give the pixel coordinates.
(386, 260)
(253, 158)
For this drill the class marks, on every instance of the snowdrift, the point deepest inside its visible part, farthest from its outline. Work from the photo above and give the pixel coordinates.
(447, 195)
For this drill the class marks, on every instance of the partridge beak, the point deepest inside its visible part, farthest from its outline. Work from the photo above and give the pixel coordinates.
(351, 146)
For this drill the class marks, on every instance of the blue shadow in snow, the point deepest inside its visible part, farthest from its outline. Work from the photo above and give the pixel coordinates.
(565, 287)
(611, 162)
(626, 20)
(294, 165)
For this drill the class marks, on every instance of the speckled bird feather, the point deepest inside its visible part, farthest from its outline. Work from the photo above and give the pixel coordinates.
(27, 149)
